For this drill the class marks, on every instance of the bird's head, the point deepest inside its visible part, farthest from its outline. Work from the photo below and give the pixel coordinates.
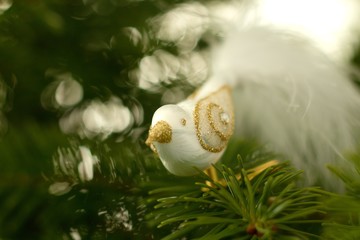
(172, 136)
(168, 122)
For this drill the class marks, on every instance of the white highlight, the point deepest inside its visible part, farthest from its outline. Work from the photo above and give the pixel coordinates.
(329, 23)
(69, 91)
(85, 167)
(59, 188)
(5, 5)
(99, 119)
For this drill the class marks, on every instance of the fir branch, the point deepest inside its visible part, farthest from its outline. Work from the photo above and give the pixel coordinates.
(344, 210)
(267, 206)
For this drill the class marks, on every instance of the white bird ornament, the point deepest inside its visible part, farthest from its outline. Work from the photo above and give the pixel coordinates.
(265, 84)
(193, 133)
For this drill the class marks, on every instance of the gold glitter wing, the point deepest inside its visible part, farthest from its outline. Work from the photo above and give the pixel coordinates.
(214, 120)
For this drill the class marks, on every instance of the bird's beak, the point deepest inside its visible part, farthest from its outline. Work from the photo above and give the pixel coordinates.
(161, 132)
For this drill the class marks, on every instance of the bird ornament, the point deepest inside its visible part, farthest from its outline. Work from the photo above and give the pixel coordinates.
(269, 85)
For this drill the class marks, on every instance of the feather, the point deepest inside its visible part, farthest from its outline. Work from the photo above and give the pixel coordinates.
(290, 96)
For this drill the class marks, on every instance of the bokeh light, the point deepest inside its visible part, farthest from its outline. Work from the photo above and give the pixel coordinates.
(163, 67)
(59, 188)
(5, 5)
(61, 93)
(72, 166)
(74, 233)
(98, 119)
(69, 92)
(85, 167)
(133, 34)
(182, 25)
(119, 218)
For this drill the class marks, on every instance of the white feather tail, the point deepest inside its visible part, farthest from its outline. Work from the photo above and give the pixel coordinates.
(291, 97)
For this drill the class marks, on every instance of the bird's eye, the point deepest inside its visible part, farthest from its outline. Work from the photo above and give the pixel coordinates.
(183, 121)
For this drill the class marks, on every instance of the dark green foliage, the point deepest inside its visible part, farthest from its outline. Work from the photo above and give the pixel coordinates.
(36, 39)
(26, 208)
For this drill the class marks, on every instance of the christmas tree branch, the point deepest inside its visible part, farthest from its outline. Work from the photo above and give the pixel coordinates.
(269, 205)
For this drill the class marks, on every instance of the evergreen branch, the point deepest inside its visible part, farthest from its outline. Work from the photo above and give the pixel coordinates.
(268, 205)
(344, 210)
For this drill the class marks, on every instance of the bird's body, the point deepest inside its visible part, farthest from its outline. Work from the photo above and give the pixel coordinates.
(200, 125)
(283, 92)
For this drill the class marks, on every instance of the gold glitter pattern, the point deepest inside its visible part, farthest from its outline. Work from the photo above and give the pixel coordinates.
(214, 120)
(217, 125)
(183, 121)
(161, 132)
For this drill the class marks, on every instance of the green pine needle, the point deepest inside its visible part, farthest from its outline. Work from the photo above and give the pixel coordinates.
(269, 206)
(344, 210)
